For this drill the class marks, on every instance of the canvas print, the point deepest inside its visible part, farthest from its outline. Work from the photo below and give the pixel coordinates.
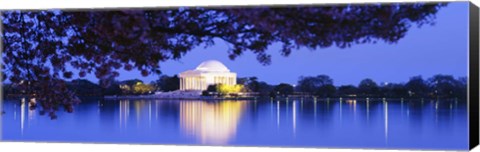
(374, 76)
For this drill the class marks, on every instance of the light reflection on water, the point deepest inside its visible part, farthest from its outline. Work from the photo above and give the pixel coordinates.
(211, 123)
(308, 123)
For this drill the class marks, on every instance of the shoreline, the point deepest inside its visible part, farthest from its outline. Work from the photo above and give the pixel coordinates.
(177, 98)
(137, 97)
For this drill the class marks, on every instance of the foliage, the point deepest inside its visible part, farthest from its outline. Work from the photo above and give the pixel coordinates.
(446, 86)
(264, 89)
(134, 87)
(131, 82)
(83, 87)
(251, 83)
(166, 83)
(212, 88)
(40, 45)
(141, 88)
(283, 89)
(321, 85)
(326, 91)
(113, 89)
(205, 93)
(225, 89)
(368, 87)
(394, 91)
(347, 90)
(417, 87)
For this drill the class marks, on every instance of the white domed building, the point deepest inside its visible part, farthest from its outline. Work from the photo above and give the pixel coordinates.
(207, 73)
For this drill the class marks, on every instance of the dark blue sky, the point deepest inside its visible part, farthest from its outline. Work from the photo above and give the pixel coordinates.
(438, 49)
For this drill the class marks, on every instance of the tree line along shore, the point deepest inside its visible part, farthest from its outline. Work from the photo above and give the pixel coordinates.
(320, 86)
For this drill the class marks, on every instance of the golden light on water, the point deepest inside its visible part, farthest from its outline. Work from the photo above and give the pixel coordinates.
(354, 103)
(124, 112)
(211, 123)
(22, 114)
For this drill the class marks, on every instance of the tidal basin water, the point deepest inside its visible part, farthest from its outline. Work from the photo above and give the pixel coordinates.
(377, 124)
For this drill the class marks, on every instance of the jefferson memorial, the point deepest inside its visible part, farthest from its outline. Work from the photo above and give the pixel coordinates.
(207, 73)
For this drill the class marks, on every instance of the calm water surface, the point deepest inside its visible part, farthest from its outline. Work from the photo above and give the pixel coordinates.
(336, 124)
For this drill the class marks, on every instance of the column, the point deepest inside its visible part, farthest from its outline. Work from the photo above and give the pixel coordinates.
(191, 83)
(181, 83)
(199, 83)
(204, 83)
(196, 83)
(185, 83)
(199, 87)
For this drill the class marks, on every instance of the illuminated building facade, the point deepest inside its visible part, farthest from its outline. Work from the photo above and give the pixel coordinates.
(207, 73)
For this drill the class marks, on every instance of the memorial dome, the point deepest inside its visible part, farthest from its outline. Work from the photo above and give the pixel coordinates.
(212, 66)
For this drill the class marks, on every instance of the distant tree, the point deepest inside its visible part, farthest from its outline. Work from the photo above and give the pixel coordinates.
(250, 83)
(39, 45)
(141, 88)
(253, 84)
(84, 87)
(127, 86)
(368, 87)
(226, 90)
(417, 87)
(321, 85)
(326, 91)
(131, 82)
(113, 89)
(393, 90)
(242, 80)
(443, 86)
(212, 88)
(166, 83)
(283, 89)
(347, 90)
(264, 89)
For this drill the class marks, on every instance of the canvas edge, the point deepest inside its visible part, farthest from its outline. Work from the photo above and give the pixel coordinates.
(473, 90)
(1, 77)
(473, 84)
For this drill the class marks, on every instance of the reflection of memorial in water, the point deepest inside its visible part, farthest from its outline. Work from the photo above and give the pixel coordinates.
(124, 113)
(211, 123)
(22, 115)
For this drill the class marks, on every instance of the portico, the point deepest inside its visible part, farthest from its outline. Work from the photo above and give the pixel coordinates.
(207, 73)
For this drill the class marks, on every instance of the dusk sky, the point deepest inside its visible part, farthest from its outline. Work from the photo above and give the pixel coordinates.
(438, 49)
